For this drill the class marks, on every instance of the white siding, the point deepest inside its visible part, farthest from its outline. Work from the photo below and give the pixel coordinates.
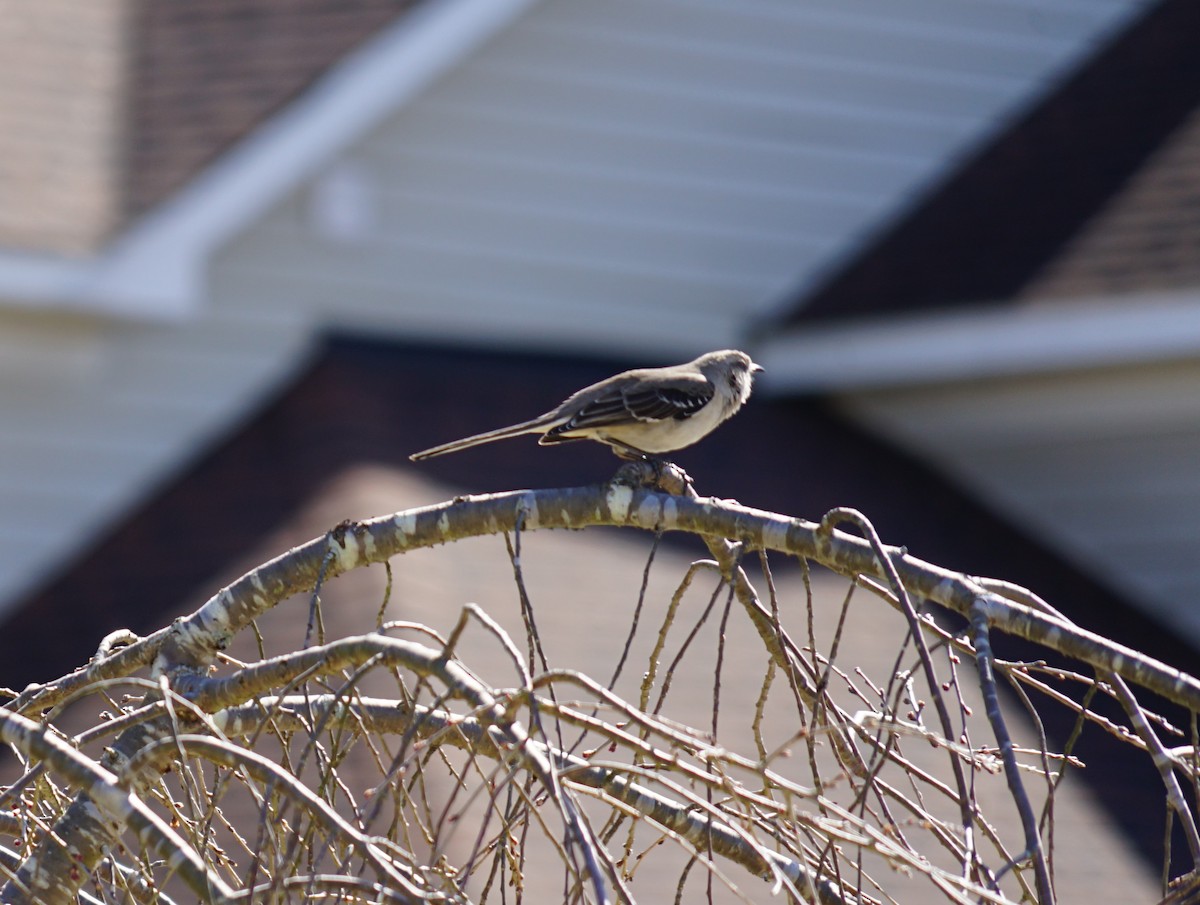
(1102, 465)
(107, 416)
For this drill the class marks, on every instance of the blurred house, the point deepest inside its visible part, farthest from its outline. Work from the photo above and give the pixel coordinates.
(246, 245)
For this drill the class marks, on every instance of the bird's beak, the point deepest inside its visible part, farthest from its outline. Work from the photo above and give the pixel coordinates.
(756, 368)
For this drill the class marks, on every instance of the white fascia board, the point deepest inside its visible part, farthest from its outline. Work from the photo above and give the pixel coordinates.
(156, 267)
(987, 341)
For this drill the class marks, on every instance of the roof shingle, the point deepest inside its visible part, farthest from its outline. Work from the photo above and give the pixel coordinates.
(206, 73)
(1147, 237)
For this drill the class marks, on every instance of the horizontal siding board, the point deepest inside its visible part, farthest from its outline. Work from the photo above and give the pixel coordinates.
(1124, 521)
(94, 423)
(54, 455)
(860, 82)
(417, 264)
(461, 176)
(44, 506)
(698, 155)
(539, 233)
(490, 313)
(408, 212)
(193, 376)
(702, 83)
(814, 121)
(1045, 411)
(1000, 20)
(1128, 464)
(89, 418)
(896, 33)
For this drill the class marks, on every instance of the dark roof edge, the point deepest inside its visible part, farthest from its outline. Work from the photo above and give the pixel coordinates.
(1008, 209)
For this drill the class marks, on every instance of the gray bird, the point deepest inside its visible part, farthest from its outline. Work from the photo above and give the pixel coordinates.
(640, 413)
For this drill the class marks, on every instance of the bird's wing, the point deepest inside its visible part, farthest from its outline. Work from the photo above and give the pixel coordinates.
(625, 402)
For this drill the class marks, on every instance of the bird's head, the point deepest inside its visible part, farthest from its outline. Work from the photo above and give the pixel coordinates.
(730, 369)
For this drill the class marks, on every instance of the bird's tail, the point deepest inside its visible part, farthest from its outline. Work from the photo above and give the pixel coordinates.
(537, 425)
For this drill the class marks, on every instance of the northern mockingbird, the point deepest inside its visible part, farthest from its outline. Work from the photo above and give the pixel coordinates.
(640, 413)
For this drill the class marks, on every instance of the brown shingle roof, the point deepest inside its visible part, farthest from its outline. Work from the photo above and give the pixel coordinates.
(1147, 237)
(60, 72)
(206, 73)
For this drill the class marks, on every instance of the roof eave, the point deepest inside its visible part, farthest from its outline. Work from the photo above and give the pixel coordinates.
(982, 341)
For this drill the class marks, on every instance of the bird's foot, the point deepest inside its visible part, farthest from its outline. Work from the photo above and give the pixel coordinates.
(650, 471)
